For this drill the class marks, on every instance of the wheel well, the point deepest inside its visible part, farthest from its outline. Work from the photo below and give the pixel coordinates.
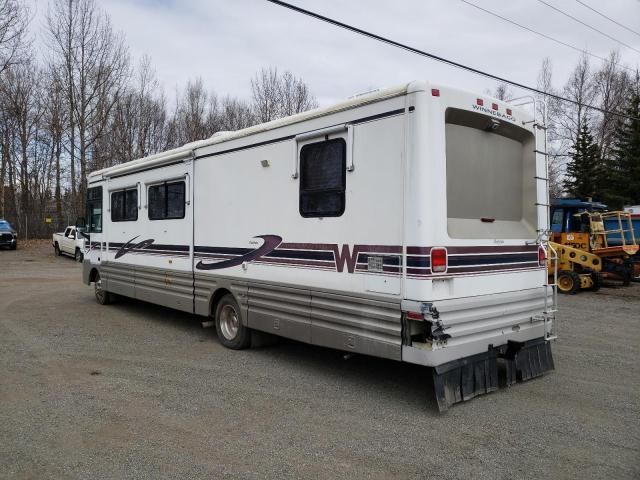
(217, 295)
(55, 243)
(92, 275)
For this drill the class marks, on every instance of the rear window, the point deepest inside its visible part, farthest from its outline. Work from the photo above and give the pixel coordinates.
(323, 178)
(491, 186)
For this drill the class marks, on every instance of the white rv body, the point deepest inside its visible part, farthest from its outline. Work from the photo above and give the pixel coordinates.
(361, 280)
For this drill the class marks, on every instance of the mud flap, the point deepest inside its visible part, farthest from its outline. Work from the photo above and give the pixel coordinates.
(527, 360)
(464, 379)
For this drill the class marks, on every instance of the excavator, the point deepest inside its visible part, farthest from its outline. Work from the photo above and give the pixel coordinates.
(591, 244)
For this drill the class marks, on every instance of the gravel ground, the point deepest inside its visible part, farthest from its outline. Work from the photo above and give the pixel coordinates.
(137, 391)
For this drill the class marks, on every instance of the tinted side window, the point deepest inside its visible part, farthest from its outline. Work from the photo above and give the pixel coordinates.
(94, 209)
(124, 205)
(323, 178)
(175, 200)
(156, 202)
(167, 201)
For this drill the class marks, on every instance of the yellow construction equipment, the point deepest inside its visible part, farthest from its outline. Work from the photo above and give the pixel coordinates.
(601, 249)
(577, 268)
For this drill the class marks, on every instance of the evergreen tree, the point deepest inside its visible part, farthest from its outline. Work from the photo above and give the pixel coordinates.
(625, 175)
(584, 170)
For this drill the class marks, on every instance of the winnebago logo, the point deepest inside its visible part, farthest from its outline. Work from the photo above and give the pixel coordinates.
(493, 113)
(271, 242)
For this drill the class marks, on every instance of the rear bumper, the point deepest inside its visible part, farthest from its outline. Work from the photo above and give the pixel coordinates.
(475, 325)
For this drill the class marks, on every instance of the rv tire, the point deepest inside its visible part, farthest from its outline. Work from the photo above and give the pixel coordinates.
(231, 332)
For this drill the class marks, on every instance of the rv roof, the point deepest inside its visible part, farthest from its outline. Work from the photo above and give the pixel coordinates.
(186, 150)
(221, 137)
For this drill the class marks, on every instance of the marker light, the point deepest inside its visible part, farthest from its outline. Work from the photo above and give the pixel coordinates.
(438, 260)
(542, 256)
(494, 106)
(415, 316)
(479, 102)
(508, 111)
(435, 92)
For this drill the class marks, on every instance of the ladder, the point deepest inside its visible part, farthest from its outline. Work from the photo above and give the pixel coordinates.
(543, 207)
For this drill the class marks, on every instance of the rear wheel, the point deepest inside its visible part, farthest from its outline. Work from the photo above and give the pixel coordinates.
(102, 296)
(78, 256)
(568, 282)
(231, 332)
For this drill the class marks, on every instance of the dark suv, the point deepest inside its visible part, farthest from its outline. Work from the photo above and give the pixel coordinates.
(8, 236)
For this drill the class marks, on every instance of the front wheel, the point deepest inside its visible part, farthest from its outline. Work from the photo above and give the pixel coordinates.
(568, 282)
(231, 332)
(102, 296)
(14, 246)
(56, 249)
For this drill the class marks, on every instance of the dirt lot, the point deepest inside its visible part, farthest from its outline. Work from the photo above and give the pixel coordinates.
(137, 391)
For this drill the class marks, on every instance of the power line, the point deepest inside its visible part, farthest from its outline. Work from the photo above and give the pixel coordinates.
(608, 18)
(587, 25)
(544, 35)
(441, 59)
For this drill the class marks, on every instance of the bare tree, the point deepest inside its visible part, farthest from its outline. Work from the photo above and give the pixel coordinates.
(20, 90)
(190, 118)
(295, 96)
(55, 122)
(502, 92)
(611, 83)
(95, 62)
(14, 20)
(547, 109)
(236, 114)
(579, 88)
(279, 95)
(265, 88)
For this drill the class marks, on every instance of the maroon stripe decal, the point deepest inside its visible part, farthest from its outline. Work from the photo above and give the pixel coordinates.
(488, 268)
(313, 263)
(493, 249)
(418, 250)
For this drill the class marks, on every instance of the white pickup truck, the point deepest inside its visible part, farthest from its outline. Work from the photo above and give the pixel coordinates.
(69, 242)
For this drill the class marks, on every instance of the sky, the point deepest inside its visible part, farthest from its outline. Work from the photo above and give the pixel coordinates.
(225, 42)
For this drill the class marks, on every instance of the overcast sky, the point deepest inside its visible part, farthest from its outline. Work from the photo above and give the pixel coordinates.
(226, 41)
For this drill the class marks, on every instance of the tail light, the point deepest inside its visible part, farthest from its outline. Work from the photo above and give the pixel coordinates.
(438, 260)
(542, 256)
(415, 316)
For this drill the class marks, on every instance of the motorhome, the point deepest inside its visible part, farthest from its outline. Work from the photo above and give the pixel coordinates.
(407, 223)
